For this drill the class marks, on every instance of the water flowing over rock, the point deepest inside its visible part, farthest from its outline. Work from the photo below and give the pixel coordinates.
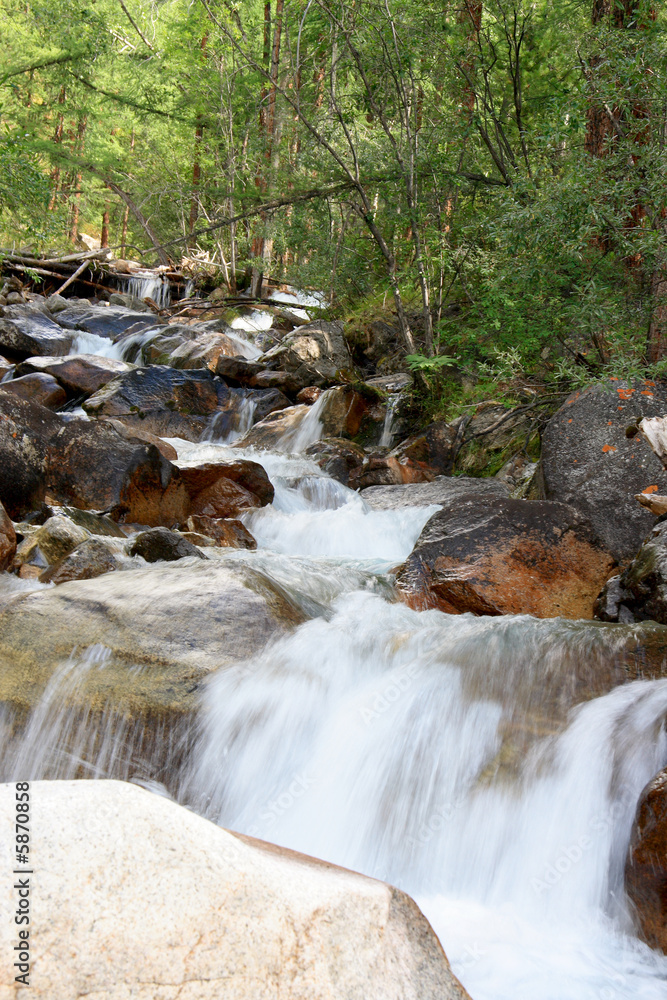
(338, 457)
(504, 556)
(646, 865)
(263, 923)
(163, 627)
(595, 459)
(40, 388)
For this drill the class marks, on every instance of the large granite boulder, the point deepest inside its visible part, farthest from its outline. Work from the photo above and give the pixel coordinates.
(91, 466)
(595, 459)
(139, 897)
(80, 374)
(164, 627)
(495, 556)
(316, 352)
(38, 387)
(111, 322)
(26, 432)
(156, 387)
(646, 865)
(25, 331)
(87, 561)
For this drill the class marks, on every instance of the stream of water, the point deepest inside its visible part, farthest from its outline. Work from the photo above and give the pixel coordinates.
(464, 759)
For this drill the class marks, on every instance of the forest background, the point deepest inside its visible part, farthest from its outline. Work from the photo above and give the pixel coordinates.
(488, 176)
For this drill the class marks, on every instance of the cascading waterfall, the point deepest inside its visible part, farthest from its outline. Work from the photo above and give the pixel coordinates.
(489, 766)
(387, 437)
(149, 285)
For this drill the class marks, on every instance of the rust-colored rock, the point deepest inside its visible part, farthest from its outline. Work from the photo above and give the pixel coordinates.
(309, 395)
(39, 388)
(342, 411)
(223, 498)
(646, 866)
(250, 475)
(502, 556)
(93, 467)
(7, 539)
(225, 531)
(339, 458)
(134, 433)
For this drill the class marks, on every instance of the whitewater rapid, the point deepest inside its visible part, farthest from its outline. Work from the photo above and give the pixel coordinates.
(449, 755)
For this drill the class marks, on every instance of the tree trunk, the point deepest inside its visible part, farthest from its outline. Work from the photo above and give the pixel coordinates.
(76, 196)
(57, 138)
(141, 219)
(126, 212)
(104, 238)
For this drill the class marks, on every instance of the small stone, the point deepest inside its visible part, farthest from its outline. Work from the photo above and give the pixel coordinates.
(160, 544)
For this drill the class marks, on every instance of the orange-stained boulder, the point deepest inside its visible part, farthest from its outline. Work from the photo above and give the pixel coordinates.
(646, 866)
(7, 539)
(496, 556)
(39, 388)
(81, 374)
(225, 531)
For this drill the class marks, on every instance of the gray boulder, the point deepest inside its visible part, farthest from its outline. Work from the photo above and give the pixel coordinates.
(595, 459)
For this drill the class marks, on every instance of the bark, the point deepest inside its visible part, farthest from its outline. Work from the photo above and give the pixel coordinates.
(104, 238)
(126, 211)
(57, 138)
(196, 165)
(76, 198)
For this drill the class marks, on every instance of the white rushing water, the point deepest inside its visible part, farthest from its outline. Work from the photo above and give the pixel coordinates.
(432, 751)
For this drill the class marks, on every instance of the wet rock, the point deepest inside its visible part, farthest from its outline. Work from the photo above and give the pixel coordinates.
(309, 395)
(25, 331)
(160, 544)
(445, 490)
(165, 625)
(238, 371)
(339, 458)
(134, 433)
(263, 915)
(129, 302)
(226, 532)
(203, 351)
(594, 459)
(111, 322)
(26, 432)
(424, 456)
(219, 490)
(317, 350)
(156, 387)
(90, 559)
(81, 374)
(96, 524)
(40, 388)
(341, 412)
(646, 865)
(640, 592)
(501, 556)
(275, 430)
(93, 467)
(7, 540)
(5, 366)
(54, 540)
(250, 475)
